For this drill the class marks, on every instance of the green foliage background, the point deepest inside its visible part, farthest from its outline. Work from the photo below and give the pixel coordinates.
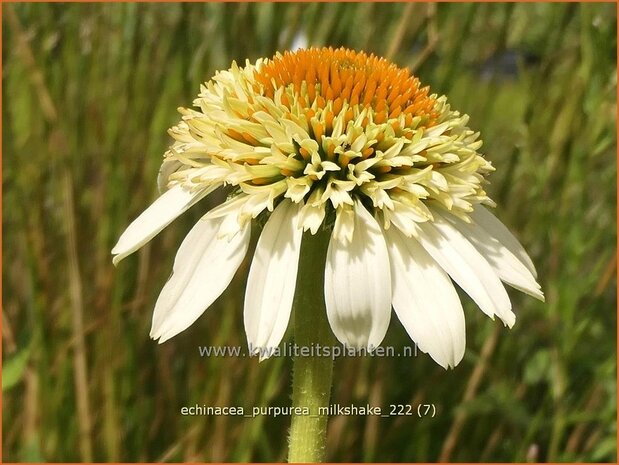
(89, 91)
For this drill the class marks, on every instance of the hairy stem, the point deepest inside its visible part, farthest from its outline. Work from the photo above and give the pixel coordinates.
(311, 384)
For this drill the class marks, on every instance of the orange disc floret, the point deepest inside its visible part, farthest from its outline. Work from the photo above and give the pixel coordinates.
(342, 75)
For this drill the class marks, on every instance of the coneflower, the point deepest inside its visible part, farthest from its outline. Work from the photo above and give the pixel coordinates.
(348, 144)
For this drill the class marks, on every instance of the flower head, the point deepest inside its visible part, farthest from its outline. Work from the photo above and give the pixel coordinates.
(336, 139)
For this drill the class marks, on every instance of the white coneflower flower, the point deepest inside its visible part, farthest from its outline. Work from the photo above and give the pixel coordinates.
(337, 139)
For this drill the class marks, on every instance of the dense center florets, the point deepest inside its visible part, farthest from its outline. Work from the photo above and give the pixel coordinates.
(319, 76)
(324, 128)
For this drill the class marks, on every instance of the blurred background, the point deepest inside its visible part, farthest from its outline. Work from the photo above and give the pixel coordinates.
(89, 91)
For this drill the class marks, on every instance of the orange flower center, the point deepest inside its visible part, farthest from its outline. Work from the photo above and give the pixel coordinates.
(318, 76)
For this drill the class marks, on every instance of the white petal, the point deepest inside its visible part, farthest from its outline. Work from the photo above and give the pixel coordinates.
(157, 216)
(498, 230)
(425, 300)
(467, 267)
(272, 279)
(358, 284)
(168, 167)
(509, 268)
(203, 268)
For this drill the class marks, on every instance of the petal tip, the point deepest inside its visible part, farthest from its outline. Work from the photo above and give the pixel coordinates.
(541, 297)
(165, 337)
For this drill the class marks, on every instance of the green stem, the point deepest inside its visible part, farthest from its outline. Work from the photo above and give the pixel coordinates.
(311, 382)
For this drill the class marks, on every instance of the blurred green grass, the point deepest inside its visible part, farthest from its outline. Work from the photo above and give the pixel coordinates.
(89, 91)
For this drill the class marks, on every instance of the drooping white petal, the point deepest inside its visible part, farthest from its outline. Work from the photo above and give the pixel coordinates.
(467, 267)
(498, 230)
(168, 167)
(425, 300)
(272, 279)
(358, 284)
(203, 268)
(509, 268)
(157, 216)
